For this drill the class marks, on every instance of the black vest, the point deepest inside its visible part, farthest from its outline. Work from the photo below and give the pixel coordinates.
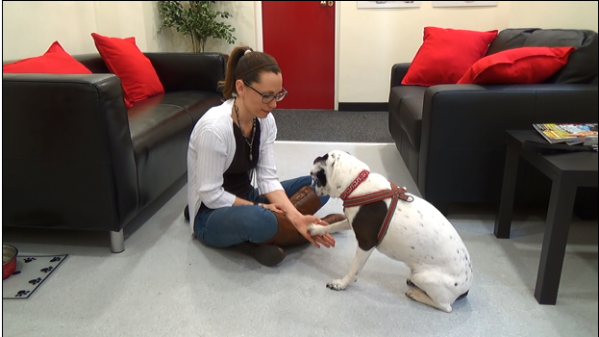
(238, 177)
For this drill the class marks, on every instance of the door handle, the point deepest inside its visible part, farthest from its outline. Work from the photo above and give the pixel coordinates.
(331, 3)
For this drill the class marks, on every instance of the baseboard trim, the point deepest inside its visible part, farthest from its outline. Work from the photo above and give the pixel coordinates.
(363, 106)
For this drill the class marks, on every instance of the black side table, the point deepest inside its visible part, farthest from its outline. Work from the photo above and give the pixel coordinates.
(568, 171)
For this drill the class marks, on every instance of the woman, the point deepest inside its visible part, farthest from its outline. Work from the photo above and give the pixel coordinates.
(231, 145)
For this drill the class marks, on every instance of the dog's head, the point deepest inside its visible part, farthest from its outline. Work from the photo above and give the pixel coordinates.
(334, 171)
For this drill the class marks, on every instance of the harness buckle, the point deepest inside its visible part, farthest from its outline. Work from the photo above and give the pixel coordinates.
(403, 196)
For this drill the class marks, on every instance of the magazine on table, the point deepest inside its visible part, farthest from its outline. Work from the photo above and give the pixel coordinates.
(571, 134)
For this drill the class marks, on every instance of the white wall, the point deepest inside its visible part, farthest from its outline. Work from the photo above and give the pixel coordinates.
(554, 14)
(394, 35)
(29, 27)
(370, 41)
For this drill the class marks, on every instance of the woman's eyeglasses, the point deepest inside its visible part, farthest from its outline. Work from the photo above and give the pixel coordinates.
(267, 98)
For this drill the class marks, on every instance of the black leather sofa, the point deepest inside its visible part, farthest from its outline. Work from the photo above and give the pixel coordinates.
(74, 157)
(451, 137)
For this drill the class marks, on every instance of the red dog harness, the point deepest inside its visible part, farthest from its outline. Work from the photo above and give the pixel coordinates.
(395, 193)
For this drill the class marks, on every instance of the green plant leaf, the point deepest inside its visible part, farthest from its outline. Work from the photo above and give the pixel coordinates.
(196, 19)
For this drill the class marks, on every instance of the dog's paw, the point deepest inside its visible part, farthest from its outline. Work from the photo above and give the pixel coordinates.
(338, 284)
(315, 229)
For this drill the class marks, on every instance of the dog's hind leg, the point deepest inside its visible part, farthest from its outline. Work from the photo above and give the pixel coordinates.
(356, 266)
(430, 290)
(420, 296)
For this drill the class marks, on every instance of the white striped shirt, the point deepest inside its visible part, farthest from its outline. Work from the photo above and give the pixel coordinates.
(211, 151)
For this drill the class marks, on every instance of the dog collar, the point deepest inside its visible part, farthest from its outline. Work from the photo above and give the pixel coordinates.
(359, 179)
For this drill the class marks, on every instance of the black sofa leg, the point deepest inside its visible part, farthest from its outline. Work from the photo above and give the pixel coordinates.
(186, 213)
(117, 241)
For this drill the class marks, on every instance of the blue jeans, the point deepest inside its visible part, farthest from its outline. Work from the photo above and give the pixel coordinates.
(228, 226)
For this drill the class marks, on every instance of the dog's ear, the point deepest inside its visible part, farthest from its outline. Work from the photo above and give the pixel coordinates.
(322, 159)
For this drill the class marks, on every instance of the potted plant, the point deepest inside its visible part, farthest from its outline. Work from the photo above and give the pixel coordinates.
(196, 19)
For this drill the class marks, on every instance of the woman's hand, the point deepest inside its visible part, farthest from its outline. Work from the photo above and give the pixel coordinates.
(301, 223)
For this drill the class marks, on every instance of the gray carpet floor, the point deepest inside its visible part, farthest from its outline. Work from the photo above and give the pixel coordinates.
(333, 126)
(167, 284)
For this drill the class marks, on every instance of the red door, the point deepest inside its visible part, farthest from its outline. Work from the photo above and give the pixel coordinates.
(301, 36)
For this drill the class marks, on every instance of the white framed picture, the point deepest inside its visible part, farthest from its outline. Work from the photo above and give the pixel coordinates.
(465, 3)
(388, 4)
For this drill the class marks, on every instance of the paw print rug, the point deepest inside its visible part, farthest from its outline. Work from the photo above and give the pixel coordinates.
(30, 273)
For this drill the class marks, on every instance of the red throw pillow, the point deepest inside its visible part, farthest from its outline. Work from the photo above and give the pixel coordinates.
(524, 65)
(446, 54)
(54, 61)
(124, 59)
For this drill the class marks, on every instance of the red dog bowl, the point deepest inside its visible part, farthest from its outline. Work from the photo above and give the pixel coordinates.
(9, 260)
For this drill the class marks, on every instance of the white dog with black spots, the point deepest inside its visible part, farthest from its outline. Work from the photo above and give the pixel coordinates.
(418, 234)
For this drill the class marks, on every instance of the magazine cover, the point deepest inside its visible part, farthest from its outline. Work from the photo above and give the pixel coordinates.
(572, 134)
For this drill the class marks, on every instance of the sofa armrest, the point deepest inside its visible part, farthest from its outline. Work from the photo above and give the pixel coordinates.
(189, 71)
(398, 72)
(67, 155)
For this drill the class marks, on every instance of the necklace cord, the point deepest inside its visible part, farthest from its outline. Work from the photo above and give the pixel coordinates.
(249, 143)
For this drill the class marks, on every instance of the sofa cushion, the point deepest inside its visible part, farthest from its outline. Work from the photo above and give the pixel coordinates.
(401, 92)
(582, 64)
(525, 65)
(158, 133)
(446, 54)
(195, 102)
(54, 61)
(160, 127)
(93, 62)
(510, 38)
(124, 59)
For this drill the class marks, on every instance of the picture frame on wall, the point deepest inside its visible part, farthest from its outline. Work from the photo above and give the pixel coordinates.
(464, 4)
(388, 4)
